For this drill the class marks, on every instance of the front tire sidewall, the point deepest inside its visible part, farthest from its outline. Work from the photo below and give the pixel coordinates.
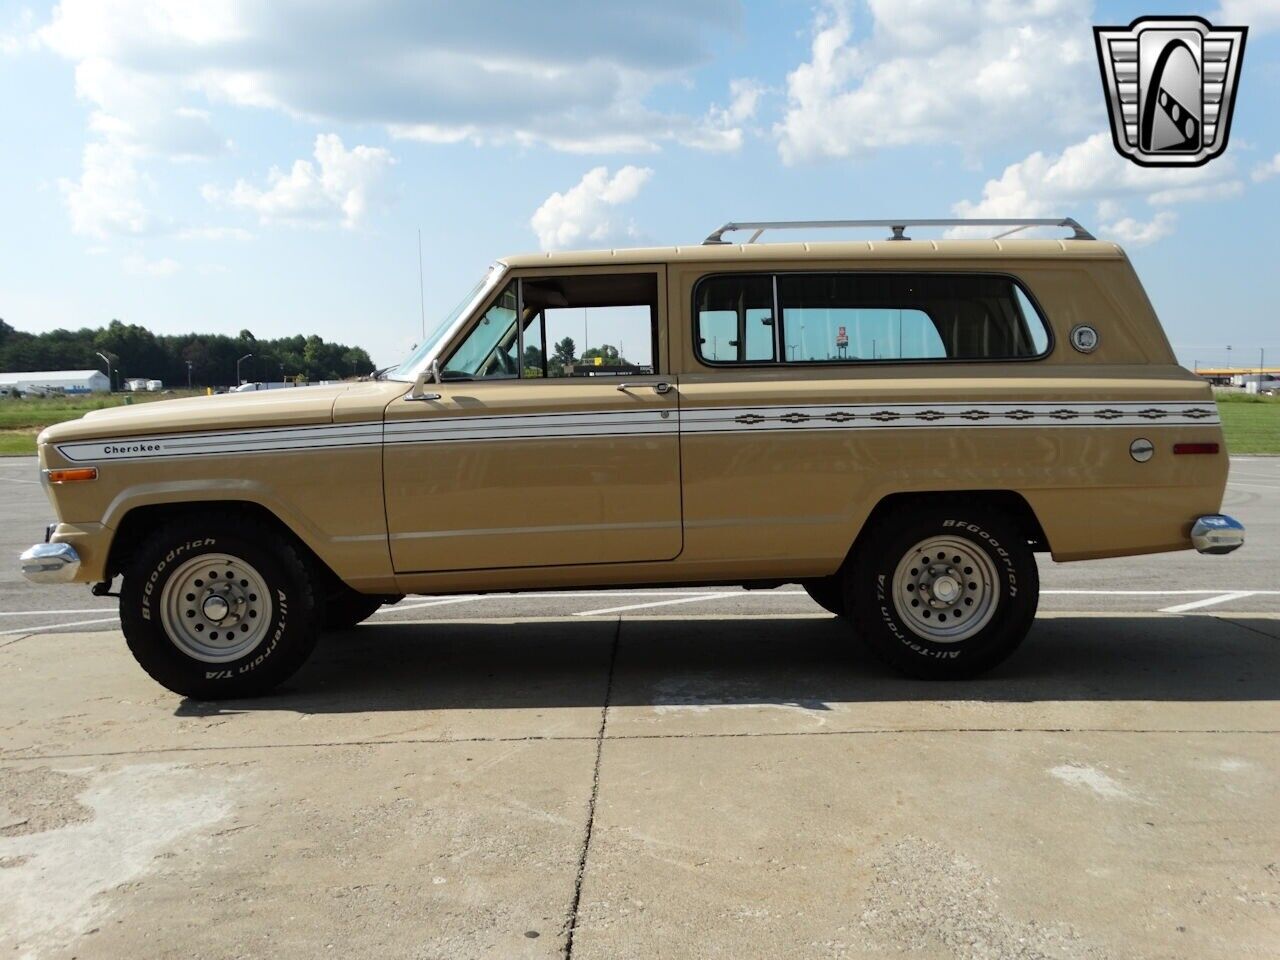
(871, 592)
(288, 640)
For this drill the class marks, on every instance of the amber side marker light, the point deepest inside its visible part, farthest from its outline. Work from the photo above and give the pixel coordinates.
(1195, 448)
(73, 474)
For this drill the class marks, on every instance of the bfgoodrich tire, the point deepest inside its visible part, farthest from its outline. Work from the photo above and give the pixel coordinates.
(828, 593)
(346, 608)
(213, 610)
(943, 592)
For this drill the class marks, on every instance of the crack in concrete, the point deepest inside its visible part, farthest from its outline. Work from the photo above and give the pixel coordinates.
(570, 927)
(570, 738)
(1243, 626)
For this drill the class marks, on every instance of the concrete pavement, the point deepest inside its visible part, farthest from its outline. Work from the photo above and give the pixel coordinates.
(660, 773)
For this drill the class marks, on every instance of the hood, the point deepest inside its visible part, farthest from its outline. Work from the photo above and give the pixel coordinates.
(290, 406)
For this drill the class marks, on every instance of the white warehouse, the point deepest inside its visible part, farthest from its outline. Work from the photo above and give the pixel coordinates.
(55, 381)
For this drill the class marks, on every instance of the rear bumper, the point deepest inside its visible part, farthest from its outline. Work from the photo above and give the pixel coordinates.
(50, 563)
(1217, 533)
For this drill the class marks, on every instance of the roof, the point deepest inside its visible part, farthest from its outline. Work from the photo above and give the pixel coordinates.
(22, 376)
(844, 250)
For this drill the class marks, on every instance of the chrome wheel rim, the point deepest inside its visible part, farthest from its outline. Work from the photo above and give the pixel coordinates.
(215, 608)
(946, 589)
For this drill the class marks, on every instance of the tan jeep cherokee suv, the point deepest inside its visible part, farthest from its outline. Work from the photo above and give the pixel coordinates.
(897, 424)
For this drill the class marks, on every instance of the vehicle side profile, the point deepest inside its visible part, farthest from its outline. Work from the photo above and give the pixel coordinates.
(899, 425)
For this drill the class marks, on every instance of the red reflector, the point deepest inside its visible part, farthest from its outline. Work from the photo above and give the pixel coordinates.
(1195, 448)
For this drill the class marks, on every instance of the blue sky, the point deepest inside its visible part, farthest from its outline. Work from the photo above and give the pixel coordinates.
(235, 164)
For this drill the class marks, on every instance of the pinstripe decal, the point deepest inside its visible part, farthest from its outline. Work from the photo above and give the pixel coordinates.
(739, 420)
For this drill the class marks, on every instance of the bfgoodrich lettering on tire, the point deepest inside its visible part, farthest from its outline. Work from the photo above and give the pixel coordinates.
(212, 610)
(943, 592)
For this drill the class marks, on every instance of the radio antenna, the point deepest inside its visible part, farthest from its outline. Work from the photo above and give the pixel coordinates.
(422, 302)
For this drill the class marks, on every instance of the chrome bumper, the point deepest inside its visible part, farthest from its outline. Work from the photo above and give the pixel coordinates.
(50, 563)
(1217, 533)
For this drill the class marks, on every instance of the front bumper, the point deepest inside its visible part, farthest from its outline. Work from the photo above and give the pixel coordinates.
(50, 563)
(1217, 533)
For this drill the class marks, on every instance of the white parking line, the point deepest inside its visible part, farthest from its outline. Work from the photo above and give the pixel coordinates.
(641, 606)
(16, 480)
(57, 626)
(429, 603)
(1208, 601)
(1250, 486)
(52, 613)
(1154, 593)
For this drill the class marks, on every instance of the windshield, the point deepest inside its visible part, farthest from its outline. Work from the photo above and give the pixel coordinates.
(409, 369)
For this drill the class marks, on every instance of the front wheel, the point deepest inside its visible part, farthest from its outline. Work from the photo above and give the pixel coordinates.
(828, 593)
(212, 611)
(943, 592)
(345, 608)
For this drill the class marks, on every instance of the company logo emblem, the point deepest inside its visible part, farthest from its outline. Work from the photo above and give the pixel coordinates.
(1170, 84)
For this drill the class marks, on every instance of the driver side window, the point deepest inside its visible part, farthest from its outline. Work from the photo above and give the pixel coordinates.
(490, 350)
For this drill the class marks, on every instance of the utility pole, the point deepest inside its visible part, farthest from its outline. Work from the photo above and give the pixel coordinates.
(111, 383)
(188, 374)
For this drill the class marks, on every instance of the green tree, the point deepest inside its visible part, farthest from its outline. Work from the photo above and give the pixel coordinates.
(564, 352)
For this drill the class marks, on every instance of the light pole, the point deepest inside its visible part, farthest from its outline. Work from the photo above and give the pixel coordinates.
(238, 362)
(188, 374)
(111, 383)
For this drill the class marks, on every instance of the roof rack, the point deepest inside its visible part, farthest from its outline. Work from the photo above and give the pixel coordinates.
(898, 226)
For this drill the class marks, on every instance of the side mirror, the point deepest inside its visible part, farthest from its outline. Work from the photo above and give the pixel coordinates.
(430, 375)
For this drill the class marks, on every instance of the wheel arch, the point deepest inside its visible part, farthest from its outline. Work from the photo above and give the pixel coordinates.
(138, 521)
(1007, 502)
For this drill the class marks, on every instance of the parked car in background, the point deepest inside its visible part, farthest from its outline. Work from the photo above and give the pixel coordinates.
(900, 425)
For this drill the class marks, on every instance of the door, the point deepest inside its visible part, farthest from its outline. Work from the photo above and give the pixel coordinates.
(535, 450)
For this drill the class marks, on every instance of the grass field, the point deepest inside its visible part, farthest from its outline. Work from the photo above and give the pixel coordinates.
(21, 420)
(1251, 424)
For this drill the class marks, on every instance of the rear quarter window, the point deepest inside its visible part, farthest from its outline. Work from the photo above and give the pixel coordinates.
(858, 317)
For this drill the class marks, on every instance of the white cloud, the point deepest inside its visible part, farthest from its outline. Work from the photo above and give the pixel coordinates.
(140, 266)
(106, 200)
(18, 36)
(1267, 170)
(723, 126)
(493, 72)
(1092, 175)
(964, 72)
(213, 233)
(587, 211)
(1257, 15)
(341, 186)
(1136, 233)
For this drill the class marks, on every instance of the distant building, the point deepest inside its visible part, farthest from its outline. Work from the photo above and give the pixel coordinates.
(55, 381)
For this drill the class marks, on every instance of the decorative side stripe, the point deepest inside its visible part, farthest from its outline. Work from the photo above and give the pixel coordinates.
(863, 416)
(268, 440)
(623, 423)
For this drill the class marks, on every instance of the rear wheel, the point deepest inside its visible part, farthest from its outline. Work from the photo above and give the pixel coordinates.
(828, 593)
(211, 611)
(944, 592)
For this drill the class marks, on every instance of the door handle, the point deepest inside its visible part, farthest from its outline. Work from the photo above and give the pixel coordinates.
(422, 396)
(660, 387)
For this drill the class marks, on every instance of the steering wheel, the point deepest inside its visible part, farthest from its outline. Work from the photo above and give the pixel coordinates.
(504, 362)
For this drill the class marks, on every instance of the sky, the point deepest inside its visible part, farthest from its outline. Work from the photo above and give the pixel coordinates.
(234, 164)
